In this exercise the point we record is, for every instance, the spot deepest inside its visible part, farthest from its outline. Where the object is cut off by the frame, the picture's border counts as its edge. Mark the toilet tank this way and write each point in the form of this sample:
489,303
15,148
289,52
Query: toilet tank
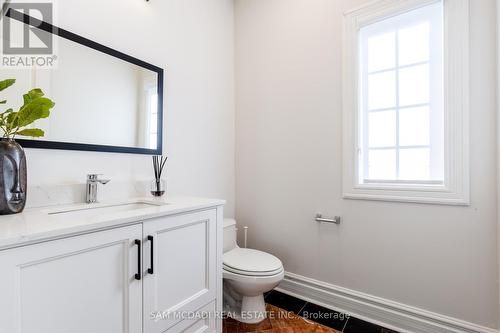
229,237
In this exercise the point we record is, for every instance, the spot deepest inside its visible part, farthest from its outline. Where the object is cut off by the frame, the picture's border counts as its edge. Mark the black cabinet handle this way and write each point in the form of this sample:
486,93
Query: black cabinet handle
138,243
151,270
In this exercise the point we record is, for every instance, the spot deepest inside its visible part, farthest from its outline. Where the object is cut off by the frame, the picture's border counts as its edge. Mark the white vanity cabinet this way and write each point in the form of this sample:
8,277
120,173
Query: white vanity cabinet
78,284
158,275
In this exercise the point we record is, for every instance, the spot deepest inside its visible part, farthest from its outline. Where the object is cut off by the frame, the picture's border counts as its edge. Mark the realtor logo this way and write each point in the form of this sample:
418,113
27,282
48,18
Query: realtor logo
31,31
25,41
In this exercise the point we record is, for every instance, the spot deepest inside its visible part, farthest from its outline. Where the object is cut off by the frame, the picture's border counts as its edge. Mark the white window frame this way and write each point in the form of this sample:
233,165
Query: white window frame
455,190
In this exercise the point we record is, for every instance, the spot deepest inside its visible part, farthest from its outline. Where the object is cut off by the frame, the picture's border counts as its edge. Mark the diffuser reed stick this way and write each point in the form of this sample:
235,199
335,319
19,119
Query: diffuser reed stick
158,188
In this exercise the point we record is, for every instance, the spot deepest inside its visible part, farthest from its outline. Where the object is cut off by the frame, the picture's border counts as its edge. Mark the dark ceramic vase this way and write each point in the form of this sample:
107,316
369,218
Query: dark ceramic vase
12,177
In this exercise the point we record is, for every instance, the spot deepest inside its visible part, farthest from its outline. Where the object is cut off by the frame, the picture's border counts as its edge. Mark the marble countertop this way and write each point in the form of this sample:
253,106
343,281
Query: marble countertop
42,224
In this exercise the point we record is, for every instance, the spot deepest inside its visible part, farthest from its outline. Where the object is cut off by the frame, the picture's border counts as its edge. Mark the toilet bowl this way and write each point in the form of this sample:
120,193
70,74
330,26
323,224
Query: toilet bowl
247,274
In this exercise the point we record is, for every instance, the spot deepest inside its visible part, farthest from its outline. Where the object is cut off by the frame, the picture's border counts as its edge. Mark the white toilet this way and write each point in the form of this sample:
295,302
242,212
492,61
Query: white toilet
248,274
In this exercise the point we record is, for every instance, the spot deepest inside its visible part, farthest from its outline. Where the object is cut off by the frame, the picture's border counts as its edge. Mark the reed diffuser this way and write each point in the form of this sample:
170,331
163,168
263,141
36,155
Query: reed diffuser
158,185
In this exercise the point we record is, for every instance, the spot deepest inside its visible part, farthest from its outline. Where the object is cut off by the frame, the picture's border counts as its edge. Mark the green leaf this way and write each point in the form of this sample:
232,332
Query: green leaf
35,107
11,119
5,113
32,95
3,102
33,132
34,110
6,83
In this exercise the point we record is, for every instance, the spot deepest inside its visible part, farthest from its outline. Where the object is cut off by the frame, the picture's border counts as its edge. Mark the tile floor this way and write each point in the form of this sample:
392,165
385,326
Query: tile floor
288,314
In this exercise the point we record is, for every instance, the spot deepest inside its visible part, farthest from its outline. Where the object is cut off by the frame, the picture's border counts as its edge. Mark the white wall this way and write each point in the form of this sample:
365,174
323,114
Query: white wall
498,148
193,41
288,138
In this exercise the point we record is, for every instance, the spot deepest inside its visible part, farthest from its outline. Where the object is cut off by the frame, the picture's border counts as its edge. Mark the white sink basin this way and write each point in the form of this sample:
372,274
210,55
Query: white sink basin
94,209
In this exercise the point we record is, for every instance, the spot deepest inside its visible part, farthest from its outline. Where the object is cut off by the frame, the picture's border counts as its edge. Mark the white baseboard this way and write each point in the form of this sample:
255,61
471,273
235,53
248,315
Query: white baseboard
383,312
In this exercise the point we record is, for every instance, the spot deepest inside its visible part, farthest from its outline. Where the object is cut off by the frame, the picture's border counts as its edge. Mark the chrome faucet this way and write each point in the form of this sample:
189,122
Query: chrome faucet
92,182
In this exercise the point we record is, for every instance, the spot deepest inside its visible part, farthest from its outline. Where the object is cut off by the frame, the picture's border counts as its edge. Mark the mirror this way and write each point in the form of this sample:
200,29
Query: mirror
105,100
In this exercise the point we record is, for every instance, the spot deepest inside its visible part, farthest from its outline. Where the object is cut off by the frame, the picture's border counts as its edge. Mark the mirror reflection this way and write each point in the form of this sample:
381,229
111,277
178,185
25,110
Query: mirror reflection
100,99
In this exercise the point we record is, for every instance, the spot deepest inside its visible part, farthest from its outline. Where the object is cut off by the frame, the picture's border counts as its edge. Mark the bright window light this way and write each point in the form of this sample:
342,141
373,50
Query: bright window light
153,120
401,98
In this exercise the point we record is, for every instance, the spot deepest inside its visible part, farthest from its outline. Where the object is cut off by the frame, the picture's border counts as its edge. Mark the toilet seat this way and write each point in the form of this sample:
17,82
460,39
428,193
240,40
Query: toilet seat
253,274
251,262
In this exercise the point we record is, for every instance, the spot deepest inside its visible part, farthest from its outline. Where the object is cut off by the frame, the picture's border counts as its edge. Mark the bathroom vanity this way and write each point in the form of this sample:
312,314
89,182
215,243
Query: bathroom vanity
136,266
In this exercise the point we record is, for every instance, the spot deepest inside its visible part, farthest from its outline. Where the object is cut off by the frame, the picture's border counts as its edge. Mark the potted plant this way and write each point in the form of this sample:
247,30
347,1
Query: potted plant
12,158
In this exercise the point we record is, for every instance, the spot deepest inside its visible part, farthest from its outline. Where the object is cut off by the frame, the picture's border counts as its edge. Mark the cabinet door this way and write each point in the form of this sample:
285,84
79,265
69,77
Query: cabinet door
183,278
79,284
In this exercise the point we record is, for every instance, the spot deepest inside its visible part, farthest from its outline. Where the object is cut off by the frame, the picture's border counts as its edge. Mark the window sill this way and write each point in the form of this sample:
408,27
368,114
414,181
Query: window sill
437,194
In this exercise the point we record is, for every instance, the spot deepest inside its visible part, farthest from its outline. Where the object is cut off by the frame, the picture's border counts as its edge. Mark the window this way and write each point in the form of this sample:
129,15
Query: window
401,98
405,102
150,134
153,118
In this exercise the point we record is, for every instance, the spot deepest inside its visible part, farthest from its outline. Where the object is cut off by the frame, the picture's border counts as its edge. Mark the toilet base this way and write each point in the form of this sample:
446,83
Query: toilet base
245,309
254,309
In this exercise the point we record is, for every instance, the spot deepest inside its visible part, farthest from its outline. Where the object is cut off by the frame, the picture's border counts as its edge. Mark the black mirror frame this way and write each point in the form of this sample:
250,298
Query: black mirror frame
42,25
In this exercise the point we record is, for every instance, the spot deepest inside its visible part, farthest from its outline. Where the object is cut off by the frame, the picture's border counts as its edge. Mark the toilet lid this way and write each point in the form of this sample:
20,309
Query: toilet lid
248,261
